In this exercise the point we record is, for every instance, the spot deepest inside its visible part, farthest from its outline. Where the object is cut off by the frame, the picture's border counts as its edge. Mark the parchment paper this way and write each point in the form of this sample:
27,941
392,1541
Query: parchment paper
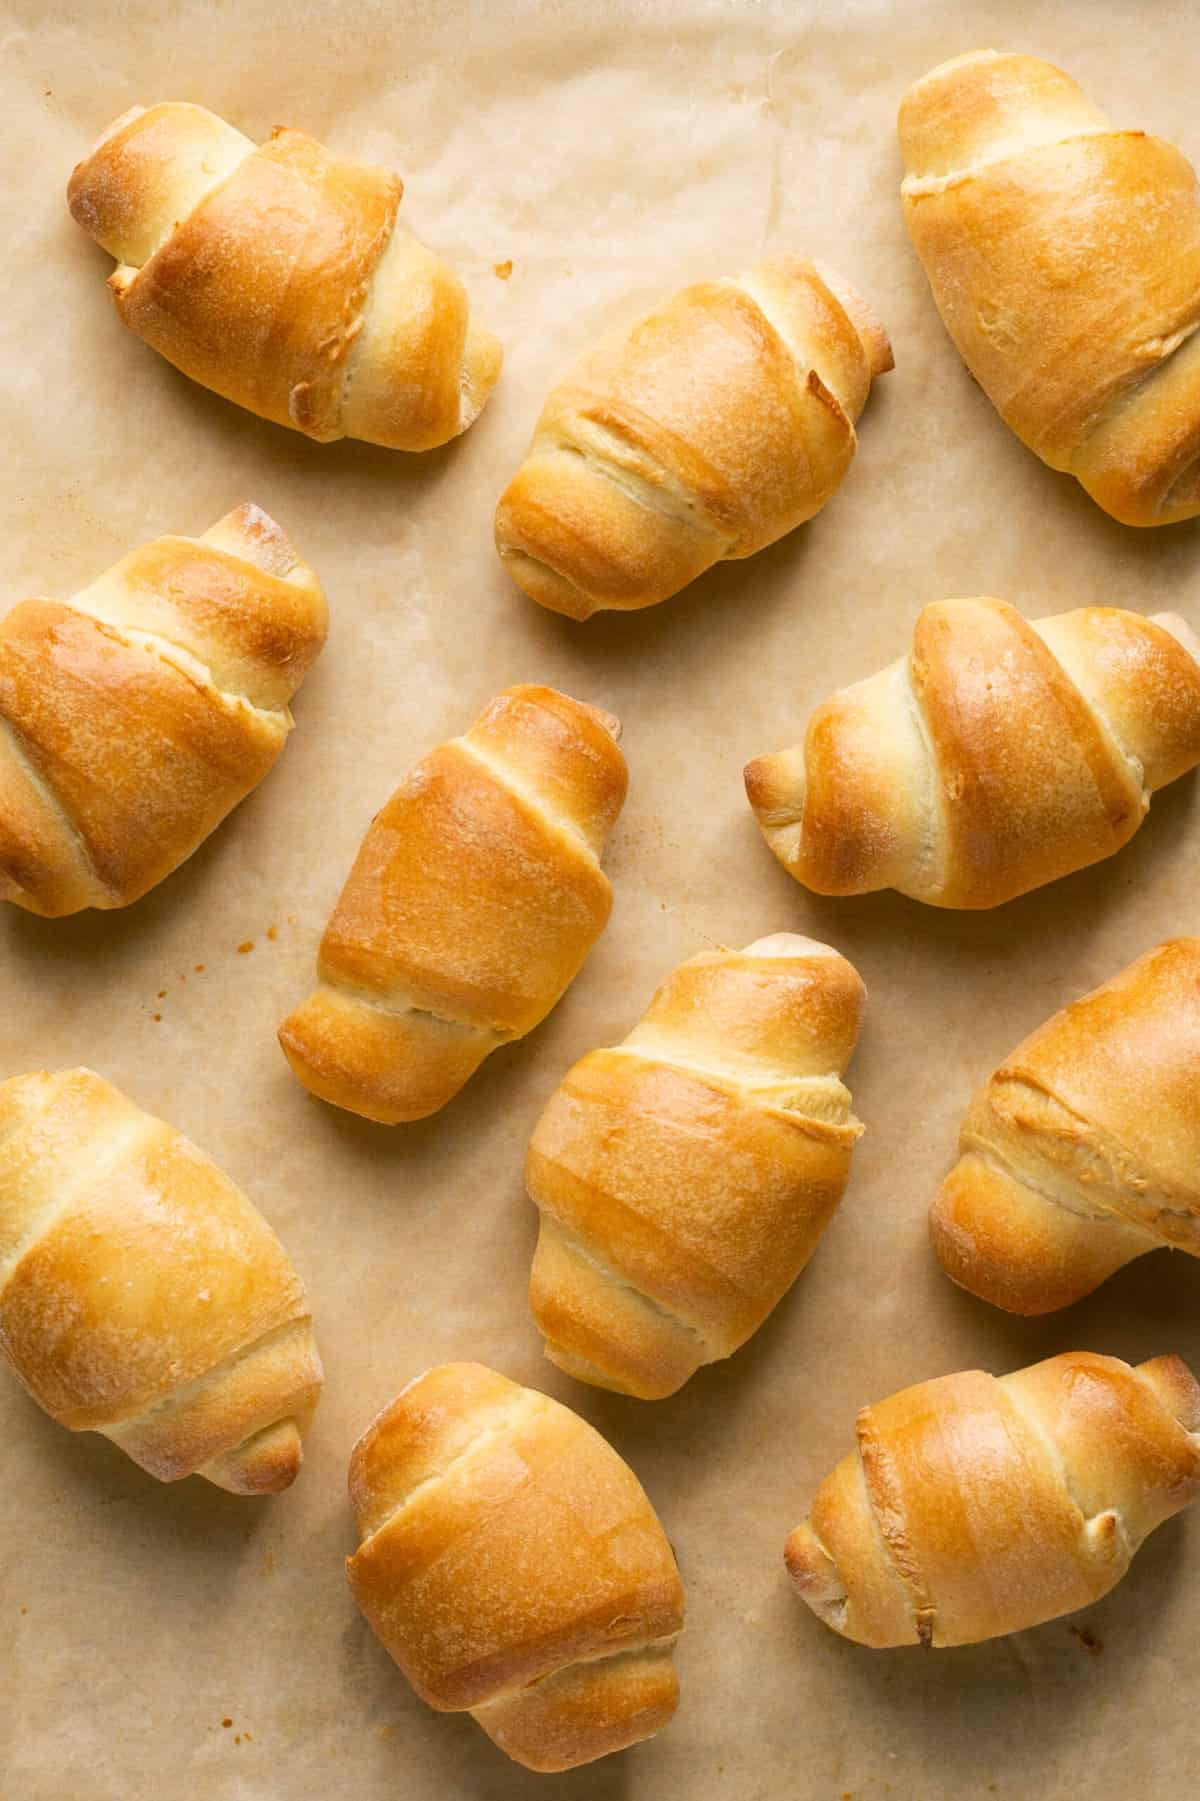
178,1642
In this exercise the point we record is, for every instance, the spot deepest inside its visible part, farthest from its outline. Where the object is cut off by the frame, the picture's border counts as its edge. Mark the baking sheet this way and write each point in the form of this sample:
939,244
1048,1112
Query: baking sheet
179,1642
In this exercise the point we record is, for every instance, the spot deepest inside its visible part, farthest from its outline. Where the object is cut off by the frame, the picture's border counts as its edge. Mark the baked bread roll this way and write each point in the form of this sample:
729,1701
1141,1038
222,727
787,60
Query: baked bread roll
1000,754
1082,1152
135,716
472,904
716,425
685,1176
142,1296
277,276
975,1506
1064,258
513,1567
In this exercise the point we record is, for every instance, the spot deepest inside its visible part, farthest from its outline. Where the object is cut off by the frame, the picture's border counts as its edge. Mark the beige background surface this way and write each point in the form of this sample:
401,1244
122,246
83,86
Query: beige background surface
612,152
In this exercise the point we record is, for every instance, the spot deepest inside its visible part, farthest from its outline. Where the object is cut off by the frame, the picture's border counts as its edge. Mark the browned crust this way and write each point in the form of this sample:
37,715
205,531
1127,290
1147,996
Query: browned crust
685,1178
147,1298
272,334
586,1711
974,1506
389,1067
1000,755
346,326
135,718
512,1564
1081,1152
1064,258
1014,818
720,422
473,902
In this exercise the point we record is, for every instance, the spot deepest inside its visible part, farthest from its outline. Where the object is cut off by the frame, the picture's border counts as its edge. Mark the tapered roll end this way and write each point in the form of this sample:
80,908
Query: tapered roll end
586,1711
420,372
89,200
877,346
985,105
815,1576
250,533
776,787
577,542
386,1067
1180,630
1008,1245
483,358
148,170
265,1464
537,579
1176,1387
598,1330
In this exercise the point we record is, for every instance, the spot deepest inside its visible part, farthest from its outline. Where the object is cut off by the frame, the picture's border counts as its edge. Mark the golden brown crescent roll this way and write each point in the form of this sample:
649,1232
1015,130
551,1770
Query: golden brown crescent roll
277,276
685,1176
136,715
472,904
999,754
1082,1152
142,1296
975,1506
1064,258
716,425
512,1565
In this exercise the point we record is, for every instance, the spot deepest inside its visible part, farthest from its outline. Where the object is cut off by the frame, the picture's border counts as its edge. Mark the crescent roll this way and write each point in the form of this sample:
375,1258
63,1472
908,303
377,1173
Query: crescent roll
142,1296
975,1506
1082,1152
512,1565
136,715
685,1176
1000,754
473,902
1064,258
719,423
277,276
